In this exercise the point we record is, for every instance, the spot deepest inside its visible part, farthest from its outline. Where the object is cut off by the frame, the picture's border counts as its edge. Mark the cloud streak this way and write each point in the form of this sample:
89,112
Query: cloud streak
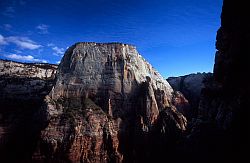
2,40
25,58
56,50
43,28
6,27
22,42
9,11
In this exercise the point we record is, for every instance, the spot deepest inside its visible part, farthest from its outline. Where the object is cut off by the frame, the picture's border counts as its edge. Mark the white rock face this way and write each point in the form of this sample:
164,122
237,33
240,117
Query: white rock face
112,75
25,80
191,87
106,89
116,67
192,83
34,70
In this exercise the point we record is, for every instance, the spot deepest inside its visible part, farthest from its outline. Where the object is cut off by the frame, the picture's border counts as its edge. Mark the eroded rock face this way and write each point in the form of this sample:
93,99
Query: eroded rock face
190,86
25,81
126,96
22,90
78,132
31,70
182,104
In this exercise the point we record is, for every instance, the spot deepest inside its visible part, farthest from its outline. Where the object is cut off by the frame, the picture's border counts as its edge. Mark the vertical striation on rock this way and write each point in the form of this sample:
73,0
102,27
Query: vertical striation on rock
190,86
105,100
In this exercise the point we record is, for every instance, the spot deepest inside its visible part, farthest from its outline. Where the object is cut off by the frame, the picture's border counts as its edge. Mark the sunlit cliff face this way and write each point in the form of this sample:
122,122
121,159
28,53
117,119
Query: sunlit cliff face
109,94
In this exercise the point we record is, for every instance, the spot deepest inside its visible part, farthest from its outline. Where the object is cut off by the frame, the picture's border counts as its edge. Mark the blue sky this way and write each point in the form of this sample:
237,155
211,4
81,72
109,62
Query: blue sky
176,36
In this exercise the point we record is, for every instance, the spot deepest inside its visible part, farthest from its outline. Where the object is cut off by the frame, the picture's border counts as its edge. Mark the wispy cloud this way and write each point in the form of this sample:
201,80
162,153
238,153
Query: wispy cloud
56,50
50,44
22,2
9,11
22,42
25,58
43,28
2,40
17,51
58,62
6,27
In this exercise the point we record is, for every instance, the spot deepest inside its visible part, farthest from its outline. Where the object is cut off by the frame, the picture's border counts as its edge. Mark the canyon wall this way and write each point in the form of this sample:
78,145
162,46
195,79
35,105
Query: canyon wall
190,86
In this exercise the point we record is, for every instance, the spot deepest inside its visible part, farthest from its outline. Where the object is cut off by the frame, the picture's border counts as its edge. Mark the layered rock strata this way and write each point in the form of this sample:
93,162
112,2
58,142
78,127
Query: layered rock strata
190,86
25,81
106,105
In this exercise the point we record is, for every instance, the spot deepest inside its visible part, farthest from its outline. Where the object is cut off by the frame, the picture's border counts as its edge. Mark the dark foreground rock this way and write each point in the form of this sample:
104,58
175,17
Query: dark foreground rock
22,90
222,128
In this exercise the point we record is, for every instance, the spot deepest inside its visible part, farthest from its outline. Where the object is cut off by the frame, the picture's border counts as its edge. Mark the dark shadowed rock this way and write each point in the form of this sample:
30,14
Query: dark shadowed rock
182,104
224,105
22,90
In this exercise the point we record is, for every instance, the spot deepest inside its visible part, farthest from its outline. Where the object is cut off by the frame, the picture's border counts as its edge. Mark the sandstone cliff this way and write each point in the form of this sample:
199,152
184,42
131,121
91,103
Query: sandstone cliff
25,81
108,105
190,86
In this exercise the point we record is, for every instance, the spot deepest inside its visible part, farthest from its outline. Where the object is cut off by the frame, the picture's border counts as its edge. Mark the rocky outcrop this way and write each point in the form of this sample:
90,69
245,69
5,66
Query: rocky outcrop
182,105
106,105
31,70
19,81
190,86
22,90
